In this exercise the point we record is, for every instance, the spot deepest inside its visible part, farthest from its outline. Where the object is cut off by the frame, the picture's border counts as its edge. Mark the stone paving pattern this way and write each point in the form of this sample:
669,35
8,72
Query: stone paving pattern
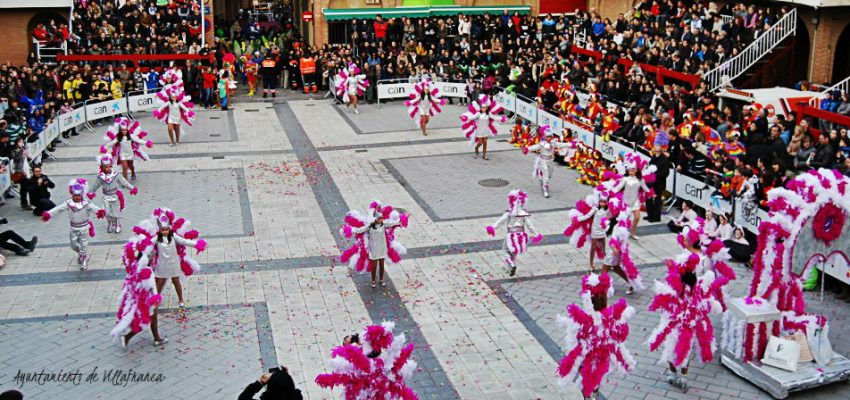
209,347
217,213
276,177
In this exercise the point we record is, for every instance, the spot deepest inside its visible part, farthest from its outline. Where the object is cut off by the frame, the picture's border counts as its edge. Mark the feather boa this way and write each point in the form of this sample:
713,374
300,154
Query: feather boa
138,298
377,369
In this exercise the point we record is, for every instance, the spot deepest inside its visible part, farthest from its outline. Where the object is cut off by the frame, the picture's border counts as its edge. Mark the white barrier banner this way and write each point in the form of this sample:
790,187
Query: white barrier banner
700,194
748,219
611,150
47,135
545,118
526,110
507,101
403,90
142,102
106,109
72,119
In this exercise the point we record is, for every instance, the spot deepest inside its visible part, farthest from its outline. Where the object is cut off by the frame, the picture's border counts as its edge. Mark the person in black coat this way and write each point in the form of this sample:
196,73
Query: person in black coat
662,170
279,386
39,186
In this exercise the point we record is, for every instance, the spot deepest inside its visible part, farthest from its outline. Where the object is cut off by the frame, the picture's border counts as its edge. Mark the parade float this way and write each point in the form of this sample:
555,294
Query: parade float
768,337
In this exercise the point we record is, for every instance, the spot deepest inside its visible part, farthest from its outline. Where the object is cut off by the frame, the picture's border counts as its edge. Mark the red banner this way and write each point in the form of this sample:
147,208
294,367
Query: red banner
132,57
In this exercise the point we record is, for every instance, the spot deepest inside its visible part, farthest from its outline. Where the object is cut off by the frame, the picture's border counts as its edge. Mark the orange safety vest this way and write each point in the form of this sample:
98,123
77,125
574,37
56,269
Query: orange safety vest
308,65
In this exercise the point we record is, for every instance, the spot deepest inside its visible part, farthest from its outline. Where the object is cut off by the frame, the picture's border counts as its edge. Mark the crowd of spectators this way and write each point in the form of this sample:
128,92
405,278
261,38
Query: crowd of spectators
136,27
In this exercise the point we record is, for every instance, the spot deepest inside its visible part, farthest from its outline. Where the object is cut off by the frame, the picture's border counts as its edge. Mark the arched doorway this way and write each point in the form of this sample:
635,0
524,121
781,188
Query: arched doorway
800,54
841,61
44,17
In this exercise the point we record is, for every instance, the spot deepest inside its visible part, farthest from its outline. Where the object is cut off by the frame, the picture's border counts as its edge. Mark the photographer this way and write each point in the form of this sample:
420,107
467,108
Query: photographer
279,386
39,194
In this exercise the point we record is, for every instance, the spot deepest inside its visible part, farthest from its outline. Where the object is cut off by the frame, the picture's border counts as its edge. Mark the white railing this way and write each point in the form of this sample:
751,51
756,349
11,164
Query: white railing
840,87
727,19
579,38
762,46
41,47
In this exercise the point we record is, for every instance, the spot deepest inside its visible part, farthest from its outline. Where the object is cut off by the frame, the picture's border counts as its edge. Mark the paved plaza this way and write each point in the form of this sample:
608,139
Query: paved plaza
268,183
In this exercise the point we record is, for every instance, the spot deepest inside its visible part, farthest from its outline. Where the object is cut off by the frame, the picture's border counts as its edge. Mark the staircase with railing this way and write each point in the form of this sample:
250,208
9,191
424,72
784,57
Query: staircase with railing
46,53
840,87
764,45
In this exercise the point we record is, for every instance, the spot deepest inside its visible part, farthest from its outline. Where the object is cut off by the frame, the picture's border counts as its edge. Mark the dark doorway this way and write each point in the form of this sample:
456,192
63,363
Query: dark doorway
841,62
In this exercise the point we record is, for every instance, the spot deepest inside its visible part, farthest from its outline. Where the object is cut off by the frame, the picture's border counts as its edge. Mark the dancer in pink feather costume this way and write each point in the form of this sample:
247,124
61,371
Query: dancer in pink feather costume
175,107
125,141
79,211
596,337
425,102
634,185
480,111
139,298
374,239
686,302
113,198
350,83
164,229
376,369
518,222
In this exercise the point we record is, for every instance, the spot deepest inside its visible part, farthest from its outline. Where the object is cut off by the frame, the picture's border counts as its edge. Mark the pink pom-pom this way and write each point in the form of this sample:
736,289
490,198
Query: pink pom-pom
145,273
134,191
155,300
201,245
90,195
103,149
403,219
491,231
45,216
148,144
101,213
346,231
537,239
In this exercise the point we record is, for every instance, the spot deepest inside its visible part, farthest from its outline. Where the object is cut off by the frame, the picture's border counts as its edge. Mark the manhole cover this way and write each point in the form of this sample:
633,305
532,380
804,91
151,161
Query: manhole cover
493,182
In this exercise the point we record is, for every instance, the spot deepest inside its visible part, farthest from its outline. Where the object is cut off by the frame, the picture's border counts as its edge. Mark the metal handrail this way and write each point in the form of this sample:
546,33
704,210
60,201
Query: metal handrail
727,19
763,45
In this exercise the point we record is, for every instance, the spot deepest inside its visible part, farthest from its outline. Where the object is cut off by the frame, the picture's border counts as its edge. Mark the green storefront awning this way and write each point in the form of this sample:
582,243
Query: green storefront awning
342,14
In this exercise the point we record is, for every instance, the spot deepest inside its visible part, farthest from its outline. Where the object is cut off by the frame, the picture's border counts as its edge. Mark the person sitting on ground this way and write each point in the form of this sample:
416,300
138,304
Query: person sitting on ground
10,240
688,215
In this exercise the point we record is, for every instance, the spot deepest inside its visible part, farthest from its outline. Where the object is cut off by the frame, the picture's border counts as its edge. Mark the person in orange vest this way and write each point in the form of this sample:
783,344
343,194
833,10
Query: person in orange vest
308,72
269,69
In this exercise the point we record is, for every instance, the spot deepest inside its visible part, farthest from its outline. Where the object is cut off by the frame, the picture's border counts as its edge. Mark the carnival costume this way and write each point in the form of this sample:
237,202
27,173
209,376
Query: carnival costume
113,197
168,262
181,108
130,146
373,243
474,116
635,190
350,82
545,150
79,215
426,99
595,340
685,321
585,217
377,369
518,223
